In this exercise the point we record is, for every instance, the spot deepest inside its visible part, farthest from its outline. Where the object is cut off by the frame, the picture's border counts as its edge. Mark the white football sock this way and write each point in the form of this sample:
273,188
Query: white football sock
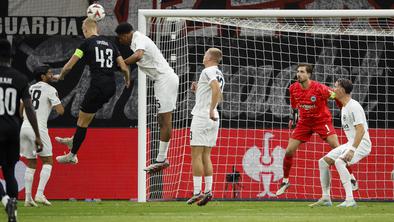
163,149
345,178
29,177
325,178
197,183
4,200
208,183
44,177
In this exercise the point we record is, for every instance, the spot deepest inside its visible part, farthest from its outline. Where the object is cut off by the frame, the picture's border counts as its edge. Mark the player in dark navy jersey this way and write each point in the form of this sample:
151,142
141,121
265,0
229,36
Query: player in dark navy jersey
13,88
103,58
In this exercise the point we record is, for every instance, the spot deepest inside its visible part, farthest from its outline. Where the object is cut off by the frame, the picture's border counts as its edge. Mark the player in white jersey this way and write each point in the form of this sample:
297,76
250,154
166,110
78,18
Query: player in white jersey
354,123
44,98
205,124
151,61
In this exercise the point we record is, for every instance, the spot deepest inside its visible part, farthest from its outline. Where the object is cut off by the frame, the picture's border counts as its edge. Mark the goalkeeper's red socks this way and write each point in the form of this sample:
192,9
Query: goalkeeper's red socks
287,163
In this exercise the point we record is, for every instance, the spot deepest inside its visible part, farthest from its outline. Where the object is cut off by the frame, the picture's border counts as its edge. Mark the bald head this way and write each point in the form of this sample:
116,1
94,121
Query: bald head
89,27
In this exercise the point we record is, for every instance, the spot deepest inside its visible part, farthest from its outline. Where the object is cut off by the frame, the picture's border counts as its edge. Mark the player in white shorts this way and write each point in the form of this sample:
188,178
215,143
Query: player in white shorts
44,98
151,61
205,124
355,125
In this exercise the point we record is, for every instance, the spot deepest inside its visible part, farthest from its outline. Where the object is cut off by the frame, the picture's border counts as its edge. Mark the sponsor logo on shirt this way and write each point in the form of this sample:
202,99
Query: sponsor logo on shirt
313,98
307,107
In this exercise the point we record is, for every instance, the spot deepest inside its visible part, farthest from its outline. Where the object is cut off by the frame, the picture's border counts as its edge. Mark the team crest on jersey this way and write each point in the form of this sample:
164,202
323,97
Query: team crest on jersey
313,98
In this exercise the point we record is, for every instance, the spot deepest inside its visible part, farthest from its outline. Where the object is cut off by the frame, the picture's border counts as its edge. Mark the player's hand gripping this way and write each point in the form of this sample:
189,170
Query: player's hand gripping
293,118
39,145
193,87
349,155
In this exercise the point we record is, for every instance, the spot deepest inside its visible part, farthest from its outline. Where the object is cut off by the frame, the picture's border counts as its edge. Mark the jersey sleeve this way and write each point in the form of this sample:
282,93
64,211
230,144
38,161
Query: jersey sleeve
81,50
211,75
326,91
54,98
140,43
357,114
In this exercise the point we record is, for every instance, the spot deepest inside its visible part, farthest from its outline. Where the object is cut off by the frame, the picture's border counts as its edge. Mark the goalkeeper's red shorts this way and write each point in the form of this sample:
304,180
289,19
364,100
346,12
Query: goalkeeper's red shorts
303,132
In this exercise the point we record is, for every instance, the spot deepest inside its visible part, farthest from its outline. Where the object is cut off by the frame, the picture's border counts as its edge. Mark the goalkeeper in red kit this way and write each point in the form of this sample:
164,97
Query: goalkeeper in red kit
310,114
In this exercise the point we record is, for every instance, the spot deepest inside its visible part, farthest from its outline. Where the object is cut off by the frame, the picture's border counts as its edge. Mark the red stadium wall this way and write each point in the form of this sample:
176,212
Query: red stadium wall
237,149
108,167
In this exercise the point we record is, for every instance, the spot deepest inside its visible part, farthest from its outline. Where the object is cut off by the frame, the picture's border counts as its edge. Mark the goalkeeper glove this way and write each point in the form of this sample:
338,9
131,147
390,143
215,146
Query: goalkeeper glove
293,118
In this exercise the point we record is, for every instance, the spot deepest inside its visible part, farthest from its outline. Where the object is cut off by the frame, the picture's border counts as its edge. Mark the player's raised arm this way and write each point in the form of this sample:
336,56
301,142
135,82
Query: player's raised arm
70,64
124,69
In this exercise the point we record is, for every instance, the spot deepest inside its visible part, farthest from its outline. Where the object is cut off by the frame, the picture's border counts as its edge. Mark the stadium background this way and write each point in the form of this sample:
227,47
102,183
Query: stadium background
110,152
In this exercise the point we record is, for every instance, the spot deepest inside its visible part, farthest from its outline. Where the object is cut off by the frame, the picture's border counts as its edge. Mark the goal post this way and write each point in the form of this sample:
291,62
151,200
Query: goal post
261,49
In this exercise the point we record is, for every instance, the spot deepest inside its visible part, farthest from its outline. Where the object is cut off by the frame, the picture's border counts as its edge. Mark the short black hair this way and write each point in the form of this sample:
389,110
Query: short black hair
5,50
40,70
123,28
346,84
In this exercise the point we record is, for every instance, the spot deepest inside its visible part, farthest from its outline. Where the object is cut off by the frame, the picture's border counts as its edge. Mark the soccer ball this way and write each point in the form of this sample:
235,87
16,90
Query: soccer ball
95,12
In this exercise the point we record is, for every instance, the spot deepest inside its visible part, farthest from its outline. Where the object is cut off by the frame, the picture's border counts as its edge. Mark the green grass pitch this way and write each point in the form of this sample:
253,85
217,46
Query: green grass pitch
119,211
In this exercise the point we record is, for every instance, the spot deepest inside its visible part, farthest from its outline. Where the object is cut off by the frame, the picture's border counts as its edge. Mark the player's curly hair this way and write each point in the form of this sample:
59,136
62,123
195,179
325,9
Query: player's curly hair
39,71
123,28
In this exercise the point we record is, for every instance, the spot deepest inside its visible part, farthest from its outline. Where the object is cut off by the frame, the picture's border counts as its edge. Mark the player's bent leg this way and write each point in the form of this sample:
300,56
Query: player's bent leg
287,163
165,124
332,140
83,122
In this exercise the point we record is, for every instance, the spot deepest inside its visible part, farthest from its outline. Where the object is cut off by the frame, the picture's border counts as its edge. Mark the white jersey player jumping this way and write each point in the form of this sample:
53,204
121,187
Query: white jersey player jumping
151,61
354,123
205,124
44,98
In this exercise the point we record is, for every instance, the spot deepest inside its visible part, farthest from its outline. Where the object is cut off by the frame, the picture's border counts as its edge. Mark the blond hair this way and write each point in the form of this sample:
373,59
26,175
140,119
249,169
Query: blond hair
216,54
90,24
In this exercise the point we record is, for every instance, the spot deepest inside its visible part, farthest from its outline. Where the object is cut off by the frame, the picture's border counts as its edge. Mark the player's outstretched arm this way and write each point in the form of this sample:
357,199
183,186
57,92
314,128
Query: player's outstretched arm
124,69
68,66
31,116
137,56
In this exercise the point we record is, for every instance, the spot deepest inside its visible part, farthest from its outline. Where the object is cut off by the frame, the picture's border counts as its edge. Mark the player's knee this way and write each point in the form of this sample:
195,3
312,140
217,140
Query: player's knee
32,163
340,163
323,164
290,152
47,160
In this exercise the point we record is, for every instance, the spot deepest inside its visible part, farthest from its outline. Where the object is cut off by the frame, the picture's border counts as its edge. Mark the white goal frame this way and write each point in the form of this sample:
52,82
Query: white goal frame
144,15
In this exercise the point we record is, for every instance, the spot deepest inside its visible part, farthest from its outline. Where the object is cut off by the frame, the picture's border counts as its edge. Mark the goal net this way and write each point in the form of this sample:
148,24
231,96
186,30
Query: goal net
260,55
